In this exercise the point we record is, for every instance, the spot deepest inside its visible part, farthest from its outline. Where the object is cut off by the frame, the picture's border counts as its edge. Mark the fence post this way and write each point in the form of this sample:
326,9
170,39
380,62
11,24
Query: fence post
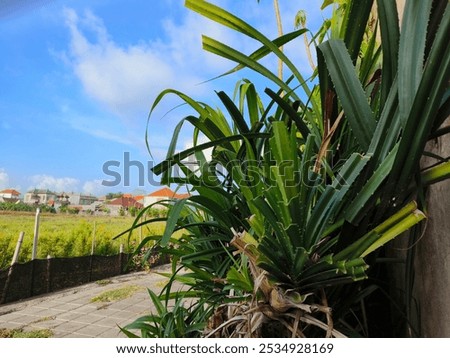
15,258
49,274
91,260
36,234
120,259
93,239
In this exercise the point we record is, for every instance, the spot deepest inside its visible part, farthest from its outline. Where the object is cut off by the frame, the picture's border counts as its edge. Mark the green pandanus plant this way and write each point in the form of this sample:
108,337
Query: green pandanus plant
287,217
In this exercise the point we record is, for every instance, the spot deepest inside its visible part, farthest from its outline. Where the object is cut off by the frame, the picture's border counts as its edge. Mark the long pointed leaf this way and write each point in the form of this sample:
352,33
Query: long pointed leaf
230,53
173,216
390,33
411,53
349,91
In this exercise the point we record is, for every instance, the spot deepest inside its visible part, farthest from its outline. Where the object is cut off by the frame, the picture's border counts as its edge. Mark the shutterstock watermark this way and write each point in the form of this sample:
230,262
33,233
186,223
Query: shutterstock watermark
120,173
250,173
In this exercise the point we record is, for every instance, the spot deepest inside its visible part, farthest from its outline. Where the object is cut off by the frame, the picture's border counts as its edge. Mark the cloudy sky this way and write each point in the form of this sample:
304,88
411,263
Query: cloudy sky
78,78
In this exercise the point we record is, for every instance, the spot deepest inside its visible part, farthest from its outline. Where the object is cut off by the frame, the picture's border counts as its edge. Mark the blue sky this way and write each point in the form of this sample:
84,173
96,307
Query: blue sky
78,78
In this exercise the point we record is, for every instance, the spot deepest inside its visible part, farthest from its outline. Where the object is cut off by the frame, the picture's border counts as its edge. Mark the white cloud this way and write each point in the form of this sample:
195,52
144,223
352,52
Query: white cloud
43,181
94,187
127,79
184,46
4,179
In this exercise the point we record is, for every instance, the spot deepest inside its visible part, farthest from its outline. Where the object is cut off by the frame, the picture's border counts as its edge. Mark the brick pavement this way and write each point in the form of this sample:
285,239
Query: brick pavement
71,313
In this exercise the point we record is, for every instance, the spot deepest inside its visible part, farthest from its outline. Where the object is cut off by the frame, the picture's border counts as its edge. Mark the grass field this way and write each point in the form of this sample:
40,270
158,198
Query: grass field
67,235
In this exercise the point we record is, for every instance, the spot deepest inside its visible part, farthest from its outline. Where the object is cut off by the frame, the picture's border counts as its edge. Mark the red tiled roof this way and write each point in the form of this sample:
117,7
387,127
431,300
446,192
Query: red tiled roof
139,197
164,192
10,191
168,193
126,202
182,196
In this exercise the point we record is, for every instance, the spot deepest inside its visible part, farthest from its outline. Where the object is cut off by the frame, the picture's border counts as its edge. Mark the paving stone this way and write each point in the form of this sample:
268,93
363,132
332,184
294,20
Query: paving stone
107,311
72,306
122,315
107,322
121,305
10,325
49,304
135,310
70,326
87,308
23,319
61,334
48,312
48,324
88,318
66,299
35,311
71,314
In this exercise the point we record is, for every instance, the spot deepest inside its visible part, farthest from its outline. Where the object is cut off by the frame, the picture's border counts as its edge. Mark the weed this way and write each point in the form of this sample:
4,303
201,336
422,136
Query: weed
20,333
103,282
116,294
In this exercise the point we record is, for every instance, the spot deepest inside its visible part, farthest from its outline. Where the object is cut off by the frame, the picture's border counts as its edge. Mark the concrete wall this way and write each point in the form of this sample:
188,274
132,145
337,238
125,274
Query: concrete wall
432,260
432,284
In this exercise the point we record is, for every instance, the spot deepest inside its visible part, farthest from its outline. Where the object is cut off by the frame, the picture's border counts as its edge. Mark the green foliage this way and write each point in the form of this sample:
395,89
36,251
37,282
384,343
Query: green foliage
133,211
170,321
67,235
111,196
26,207
65,209
156,212
289,215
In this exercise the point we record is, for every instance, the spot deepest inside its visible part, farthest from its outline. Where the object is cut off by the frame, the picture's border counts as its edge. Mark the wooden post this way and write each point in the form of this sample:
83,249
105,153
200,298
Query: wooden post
91,259
36,234
120,259
49,273
15,258
93,239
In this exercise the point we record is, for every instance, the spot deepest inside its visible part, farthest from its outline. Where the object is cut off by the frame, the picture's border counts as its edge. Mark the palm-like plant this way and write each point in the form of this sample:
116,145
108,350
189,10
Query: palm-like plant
299,197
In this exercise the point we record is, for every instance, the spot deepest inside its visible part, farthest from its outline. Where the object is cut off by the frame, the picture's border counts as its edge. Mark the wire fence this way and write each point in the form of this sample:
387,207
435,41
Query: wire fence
39,276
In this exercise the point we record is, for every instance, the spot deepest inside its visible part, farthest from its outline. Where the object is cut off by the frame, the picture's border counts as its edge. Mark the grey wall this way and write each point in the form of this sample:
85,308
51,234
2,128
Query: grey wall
432,284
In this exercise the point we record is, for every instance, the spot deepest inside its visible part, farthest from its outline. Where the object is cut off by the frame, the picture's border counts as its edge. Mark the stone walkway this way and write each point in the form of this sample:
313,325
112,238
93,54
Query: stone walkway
72,313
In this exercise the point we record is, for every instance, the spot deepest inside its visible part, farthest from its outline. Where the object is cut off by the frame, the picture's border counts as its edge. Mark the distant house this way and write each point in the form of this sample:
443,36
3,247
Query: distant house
102,198
9,195
81,199
40,196
124,203
162,194
140,199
